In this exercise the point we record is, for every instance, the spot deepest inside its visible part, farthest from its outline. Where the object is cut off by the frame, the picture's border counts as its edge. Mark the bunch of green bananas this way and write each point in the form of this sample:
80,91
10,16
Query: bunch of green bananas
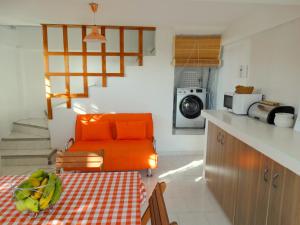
38,192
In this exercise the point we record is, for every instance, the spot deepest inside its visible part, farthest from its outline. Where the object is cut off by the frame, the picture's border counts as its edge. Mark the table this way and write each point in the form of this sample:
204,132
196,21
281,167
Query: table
88,198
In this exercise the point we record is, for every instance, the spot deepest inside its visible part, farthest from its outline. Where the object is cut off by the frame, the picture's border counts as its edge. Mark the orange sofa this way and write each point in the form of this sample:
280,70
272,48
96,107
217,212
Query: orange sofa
126,138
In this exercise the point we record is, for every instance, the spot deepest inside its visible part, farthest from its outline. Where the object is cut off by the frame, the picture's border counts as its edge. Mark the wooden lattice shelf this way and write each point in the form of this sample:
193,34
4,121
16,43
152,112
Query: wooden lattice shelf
66,53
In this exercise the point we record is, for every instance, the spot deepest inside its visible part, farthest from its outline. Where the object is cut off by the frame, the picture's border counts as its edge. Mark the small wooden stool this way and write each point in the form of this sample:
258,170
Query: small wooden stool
79,161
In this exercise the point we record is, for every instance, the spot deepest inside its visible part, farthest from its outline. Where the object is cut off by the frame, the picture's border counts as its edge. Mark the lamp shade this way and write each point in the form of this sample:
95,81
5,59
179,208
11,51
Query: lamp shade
95,36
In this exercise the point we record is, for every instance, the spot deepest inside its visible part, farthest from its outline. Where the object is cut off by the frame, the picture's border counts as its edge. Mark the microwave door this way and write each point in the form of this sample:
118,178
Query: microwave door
228,100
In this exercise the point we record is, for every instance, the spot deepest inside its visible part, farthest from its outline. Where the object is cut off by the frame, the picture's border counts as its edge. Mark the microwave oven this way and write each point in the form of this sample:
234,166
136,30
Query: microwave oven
239,103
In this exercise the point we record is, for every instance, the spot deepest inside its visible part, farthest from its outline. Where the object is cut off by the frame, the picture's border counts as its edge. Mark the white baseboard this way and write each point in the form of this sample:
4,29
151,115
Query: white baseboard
174,153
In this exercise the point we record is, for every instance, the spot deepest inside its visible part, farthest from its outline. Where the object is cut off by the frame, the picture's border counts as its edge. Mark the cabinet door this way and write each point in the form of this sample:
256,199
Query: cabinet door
278,196
229,173
291,200
210,166
214,162
263,191
247,185
219,165
275,202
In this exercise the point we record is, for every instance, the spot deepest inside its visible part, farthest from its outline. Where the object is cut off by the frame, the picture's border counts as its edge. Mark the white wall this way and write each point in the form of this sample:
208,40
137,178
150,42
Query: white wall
22,78
234,55
31,70
144,89
276,69
273,59
10,95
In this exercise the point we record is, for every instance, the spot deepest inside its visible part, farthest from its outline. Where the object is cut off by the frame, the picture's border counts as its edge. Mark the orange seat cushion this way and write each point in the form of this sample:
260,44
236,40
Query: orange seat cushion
122,154
96,130
128,130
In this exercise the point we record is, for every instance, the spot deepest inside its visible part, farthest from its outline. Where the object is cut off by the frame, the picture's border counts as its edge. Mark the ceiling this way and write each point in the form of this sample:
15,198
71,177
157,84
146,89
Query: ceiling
213,16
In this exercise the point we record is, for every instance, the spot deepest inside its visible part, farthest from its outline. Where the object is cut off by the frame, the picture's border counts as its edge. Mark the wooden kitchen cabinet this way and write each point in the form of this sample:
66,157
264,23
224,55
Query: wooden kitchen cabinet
247,185
263,191
278,199
284,198
276,193
229,173
212,159
221,167
209,173
251,188
290,201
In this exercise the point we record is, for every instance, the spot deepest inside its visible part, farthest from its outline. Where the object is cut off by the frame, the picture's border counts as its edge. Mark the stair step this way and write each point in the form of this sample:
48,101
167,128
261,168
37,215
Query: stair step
30,129
24,161
21,141
26,157
40,123
18,136
15,139
25,144
26,152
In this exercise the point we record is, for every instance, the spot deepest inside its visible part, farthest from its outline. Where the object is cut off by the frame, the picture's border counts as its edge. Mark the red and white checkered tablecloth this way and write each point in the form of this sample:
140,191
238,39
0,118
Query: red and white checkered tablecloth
88,198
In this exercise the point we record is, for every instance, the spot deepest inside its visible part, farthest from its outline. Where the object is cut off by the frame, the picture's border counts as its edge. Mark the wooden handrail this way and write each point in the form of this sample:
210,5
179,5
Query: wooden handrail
102,53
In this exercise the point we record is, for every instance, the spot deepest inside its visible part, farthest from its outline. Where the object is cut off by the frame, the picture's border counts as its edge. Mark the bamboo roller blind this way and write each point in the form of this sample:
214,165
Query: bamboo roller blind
66,53
197,51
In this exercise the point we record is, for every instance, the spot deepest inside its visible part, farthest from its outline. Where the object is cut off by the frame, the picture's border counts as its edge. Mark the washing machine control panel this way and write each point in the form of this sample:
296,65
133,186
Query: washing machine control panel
187,90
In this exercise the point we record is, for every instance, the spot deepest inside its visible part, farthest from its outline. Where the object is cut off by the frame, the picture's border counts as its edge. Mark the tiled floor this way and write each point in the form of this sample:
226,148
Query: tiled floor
188,131
188,200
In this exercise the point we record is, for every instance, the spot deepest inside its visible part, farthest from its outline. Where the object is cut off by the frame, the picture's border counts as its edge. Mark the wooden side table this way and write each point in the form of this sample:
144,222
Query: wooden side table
79,161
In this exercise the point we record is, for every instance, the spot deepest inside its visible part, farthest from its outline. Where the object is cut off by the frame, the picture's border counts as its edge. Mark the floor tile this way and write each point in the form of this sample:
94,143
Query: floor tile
192,218
217,218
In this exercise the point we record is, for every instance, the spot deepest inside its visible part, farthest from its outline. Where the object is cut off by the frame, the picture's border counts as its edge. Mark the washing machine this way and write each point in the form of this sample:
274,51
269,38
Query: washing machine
189,104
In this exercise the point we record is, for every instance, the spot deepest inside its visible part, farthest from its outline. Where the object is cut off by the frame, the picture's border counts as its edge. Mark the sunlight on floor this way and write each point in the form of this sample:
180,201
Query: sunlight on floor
189,166
198,179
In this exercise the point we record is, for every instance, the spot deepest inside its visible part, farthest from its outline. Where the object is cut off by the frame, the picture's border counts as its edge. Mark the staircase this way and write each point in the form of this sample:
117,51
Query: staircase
28,144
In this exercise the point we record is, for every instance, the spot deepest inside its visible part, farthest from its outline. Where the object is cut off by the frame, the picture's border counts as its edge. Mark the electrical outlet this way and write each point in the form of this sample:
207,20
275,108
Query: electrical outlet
243,71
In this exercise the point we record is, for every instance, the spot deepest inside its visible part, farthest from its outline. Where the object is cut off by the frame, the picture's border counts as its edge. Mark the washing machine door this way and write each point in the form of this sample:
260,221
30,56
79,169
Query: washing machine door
191,106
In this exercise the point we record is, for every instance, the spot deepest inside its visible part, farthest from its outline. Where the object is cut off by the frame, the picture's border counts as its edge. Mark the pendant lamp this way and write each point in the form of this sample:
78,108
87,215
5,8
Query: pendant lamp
95,34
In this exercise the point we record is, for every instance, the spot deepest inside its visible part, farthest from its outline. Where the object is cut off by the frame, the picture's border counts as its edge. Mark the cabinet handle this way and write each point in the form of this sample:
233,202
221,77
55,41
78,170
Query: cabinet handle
275,177
266,175
222,139
218,137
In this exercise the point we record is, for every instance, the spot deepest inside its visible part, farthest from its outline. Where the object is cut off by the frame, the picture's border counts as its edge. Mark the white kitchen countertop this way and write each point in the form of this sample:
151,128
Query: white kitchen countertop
280,144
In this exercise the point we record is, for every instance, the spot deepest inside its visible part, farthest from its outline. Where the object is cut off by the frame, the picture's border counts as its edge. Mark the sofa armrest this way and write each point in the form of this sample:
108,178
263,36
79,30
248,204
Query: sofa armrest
154,144
70,141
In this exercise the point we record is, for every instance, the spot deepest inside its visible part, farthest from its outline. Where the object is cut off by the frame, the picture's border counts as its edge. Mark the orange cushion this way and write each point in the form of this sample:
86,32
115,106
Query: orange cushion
131,130
94,131
112,118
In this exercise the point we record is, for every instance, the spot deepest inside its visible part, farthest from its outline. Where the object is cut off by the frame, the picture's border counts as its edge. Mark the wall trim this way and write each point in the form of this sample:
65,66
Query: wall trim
199,152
